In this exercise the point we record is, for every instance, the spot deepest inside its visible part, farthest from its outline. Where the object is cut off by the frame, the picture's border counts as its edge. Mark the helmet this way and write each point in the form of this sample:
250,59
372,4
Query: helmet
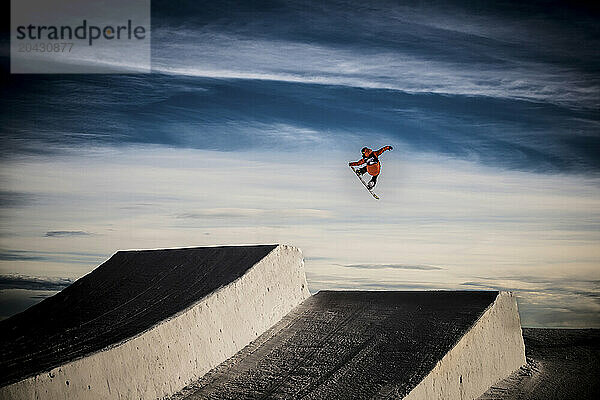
365,151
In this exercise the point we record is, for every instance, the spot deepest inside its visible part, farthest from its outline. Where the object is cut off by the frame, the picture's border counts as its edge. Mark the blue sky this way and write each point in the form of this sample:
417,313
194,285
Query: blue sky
243,132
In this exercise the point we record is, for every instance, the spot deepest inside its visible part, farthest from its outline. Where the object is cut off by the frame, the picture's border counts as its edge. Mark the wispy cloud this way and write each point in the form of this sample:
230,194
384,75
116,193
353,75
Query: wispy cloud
15,199
313,119
53,257
319,281
21,256
393,71
41,296
256,213
524,52
524,284
66,233
395,266
33,283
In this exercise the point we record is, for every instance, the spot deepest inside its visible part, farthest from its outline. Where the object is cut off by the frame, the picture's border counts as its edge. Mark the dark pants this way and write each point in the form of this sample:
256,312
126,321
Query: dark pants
363,171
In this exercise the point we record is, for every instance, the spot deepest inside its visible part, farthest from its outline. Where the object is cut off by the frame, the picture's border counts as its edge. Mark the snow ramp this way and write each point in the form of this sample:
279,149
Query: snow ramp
147,322
376,345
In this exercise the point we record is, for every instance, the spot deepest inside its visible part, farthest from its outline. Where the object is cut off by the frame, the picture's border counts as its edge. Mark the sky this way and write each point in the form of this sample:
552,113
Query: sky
243,132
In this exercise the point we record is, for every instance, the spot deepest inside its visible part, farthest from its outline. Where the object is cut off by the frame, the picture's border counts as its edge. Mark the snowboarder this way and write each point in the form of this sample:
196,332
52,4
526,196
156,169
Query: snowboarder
373,167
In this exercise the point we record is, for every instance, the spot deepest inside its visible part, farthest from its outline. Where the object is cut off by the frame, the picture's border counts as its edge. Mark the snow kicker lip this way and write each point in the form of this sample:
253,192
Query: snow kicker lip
145,323
358,344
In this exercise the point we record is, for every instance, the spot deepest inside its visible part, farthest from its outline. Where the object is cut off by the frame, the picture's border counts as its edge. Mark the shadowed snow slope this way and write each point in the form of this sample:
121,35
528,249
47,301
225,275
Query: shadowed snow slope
362,345
145,323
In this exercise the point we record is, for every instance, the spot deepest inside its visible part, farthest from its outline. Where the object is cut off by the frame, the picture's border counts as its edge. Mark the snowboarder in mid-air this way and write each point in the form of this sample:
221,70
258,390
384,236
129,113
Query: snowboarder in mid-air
373,167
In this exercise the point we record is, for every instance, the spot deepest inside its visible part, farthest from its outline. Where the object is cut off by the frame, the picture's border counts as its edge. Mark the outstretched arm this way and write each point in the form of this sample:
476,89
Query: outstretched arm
357,163
381,150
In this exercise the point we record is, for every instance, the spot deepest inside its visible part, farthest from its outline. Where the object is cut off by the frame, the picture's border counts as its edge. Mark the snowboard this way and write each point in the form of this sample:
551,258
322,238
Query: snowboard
364,183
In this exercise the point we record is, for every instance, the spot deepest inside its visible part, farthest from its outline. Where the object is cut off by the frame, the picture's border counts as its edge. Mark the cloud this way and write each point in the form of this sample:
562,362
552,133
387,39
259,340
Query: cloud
511,133
20,256
40,296
503,88
66,233
395,266
256,213
531,284
319,281
54,257
449,49
15,199
33,283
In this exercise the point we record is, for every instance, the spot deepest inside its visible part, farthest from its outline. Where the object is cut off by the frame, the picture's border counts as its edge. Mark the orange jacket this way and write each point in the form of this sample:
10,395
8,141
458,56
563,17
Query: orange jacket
372,161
